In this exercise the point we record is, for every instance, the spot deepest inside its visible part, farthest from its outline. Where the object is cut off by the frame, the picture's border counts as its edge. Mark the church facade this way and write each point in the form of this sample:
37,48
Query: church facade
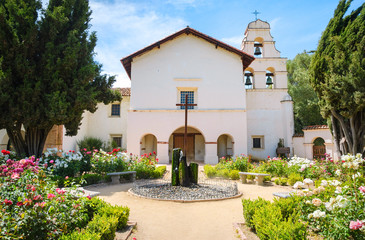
241,97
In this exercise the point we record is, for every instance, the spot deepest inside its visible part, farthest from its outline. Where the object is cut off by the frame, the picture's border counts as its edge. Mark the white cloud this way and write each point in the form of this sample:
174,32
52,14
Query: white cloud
273,23
233,41
122,28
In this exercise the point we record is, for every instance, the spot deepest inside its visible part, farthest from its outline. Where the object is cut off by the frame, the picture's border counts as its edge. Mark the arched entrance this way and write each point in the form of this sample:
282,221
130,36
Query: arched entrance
195,144
148,144
225,146
319,149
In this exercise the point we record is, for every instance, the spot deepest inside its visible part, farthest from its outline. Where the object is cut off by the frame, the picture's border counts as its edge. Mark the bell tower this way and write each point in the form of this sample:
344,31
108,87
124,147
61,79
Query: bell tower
269,106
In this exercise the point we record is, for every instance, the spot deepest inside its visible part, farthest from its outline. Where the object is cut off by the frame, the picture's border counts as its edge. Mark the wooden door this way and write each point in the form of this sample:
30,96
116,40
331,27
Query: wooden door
319,152
179,143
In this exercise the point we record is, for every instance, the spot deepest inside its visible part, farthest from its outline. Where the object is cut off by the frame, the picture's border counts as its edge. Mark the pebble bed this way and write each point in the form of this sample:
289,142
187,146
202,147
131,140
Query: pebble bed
201,191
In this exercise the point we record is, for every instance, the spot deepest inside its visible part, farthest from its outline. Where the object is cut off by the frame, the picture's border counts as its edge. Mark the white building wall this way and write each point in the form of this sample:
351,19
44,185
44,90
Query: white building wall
187,63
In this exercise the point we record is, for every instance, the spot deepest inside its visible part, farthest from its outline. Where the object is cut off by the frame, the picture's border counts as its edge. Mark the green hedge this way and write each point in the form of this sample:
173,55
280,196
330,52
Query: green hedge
278,220
103,225
81,235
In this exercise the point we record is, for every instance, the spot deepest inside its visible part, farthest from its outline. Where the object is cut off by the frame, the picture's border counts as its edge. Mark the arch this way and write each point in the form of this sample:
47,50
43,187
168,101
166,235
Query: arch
249,78
319,148
270,73
225,146
258,45
148,144
195,143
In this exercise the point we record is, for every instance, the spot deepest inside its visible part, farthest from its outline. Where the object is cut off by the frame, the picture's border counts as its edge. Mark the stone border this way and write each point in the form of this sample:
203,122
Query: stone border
184,201
239,231
133,225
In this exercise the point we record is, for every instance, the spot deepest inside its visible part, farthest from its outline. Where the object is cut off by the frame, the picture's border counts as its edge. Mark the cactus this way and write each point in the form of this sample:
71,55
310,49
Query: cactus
193,169
176,155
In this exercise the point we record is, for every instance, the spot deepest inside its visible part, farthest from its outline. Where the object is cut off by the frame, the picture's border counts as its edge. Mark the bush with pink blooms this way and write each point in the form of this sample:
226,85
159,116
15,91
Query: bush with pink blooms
32,207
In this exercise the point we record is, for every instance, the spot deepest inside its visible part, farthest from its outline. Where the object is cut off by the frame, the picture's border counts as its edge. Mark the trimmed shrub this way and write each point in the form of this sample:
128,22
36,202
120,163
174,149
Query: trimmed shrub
283,181
104,225
81,235
91,178
293,178
209,171
269,224
224,173
120,212
249,207
159,172
234,174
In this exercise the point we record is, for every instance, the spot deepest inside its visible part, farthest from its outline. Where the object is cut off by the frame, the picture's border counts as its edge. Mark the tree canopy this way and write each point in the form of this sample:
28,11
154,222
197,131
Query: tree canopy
306,107
338,76
50,76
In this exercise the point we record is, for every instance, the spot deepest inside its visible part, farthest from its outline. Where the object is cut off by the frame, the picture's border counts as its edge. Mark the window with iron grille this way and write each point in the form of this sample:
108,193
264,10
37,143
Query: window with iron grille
115,109
117,141
190,98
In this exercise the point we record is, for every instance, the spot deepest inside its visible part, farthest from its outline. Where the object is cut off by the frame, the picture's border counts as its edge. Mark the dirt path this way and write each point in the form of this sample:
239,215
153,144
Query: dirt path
162,220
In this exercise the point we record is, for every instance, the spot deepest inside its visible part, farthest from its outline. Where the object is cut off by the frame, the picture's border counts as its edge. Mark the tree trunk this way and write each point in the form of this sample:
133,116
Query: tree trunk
33,142
336,135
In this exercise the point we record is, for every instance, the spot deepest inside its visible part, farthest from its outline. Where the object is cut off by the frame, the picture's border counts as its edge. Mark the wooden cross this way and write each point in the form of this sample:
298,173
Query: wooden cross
186,104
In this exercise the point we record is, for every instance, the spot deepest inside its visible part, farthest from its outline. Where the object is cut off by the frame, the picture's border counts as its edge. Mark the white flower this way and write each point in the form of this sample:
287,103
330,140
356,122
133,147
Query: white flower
316,202
310,215
338,190
308,202
338,172
307,181
309,194
334,183
298,185
318,214
356,175
324,183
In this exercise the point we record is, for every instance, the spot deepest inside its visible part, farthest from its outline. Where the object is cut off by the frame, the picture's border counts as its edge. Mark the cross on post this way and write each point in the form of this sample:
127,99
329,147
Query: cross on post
256,13
186,104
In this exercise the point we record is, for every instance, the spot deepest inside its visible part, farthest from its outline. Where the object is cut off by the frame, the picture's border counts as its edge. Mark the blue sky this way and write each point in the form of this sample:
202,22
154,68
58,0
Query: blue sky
124,27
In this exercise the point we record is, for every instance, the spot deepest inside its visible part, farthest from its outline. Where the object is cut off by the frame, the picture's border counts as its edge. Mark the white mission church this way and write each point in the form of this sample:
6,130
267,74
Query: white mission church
242,102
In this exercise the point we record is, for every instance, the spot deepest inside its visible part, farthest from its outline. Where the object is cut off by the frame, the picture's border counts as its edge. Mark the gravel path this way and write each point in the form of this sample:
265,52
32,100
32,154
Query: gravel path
164,220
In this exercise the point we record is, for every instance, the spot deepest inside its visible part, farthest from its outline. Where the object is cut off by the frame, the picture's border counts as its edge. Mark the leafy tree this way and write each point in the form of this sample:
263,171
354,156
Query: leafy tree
306,107
50,76
338,76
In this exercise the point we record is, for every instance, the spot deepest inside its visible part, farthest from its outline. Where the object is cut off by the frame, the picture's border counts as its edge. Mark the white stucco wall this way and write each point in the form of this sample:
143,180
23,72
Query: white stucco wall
101,125
187,63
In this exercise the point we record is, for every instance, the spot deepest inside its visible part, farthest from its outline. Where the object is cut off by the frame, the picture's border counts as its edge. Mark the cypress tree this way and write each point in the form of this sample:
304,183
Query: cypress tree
49,74
338,77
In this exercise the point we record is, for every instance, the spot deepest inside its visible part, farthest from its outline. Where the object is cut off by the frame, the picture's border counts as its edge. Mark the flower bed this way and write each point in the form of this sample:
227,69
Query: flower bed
331,207
32,207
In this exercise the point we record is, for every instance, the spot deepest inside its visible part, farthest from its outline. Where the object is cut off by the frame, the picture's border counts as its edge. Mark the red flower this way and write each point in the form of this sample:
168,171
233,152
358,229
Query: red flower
8,202
150,154
19,204
154,152
66,177
88,197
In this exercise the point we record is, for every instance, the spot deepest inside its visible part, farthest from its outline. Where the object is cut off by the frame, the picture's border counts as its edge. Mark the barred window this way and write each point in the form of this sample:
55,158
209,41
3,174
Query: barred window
115,109
190,98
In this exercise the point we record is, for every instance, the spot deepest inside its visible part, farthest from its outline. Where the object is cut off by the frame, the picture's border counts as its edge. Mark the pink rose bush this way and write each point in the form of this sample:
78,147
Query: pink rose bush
30,203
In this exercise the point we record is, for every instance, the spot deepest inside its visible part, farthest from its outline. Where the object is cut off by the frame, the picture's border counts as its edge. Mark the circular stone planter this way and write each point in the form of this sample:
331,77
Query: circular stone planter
204,191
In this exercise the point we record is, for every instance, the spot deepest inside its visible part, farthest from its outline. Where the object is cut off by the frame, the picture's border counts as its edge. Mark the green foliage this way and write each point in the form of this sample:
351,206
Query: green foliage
293,178
47,53
104,225
275,166
269,224
337,76
223,173
281,181
234,174
120,212
103,162
81,235
90,143
249,208
209,171
159,172
288,206
305,107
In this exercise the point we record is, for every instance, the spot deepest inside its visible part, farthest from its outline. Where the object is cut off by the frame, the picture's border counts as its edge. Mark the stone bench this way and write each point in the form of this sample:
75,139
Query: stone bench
116,176
259,177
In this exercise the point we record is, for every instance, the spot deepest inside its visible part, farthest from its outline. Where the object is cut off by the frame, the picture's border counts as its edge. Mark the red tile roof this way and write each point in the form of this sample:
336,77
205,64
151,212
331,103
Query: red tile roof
246,58
314,127
124,91
298,135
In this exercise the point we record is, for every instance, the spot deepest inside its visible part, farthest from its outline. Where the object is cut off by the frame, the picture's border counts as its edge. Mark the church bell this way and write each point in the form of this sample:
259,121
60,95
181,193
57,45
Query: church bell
257,51
248,80
269,80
